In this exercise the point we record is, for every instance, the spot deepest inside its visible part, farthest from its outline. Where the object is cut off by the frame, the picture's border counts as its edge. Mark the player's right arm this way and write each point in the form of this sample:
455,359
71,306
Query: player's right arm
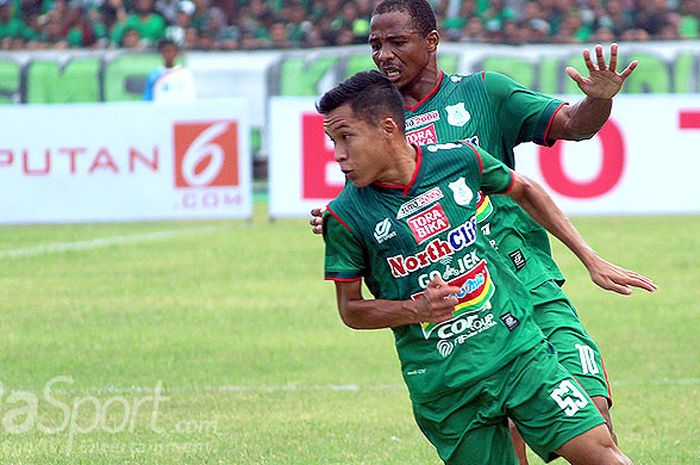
436,304
345,264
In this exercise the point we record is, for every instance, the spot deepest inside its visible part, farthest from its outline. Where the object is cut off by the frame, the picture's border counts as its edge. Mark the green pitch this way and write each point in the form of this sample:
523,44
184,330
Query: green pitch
197,343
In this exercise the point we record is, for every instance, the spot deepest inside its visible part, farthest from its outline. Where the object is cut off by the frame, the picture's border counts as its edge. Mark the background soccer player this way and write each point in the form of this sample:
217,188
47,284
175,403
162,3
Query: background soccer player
497,114
470,352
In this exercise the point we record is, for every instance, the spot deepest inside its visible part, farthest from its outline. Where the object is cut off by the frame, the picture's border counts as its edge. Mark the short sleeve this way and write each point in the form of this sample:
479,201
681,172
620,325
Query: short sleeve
523,114
344,258
496,177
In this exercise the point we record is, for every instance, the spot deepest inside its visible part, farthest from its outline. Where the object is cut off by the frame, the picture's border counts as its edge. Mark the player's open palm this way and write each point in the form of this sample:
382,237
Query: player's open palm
603,81
617,279
437,304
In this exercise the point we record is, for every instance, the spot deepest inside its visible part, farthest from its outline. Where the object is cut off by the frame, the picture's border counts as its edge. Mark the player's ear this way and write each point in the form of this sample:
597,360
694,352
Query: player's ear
389,126
432,40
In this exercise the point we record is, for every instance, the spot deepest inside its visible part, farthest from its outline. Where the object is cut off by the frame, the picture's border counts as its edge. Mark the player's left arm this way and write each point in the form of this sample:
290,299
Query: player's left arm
497,178
540,206
585,118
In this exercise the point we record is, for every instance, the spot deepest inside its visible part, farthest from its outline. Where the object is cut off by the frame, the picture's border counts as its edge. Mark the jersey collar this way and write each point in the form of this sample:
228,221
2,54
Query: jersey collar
405,190
430,94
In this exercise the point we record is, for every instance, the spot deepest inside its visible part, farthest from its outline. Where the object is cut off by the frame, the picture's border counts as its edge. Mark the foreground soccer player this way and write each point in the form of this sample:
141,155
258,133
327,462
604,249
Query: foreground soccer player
494,112
470,351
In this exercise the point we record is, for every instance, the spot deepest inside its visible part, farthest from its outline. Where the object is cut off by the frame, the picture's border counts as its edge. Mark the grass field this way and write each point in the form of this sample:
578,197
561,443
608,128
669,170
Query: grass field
194,343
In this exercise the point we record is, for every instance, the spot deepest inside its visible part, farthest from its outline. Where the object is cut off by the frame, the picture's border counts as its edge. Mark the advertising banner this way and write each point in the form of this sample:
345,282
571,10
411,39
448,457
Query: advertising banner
644,161
124,162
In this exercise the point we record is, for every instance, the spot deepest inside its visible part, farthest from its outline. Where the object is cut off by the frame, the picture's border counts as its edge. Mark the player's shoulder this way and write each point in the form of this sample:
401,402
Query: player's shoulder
464,81
344,207
452,154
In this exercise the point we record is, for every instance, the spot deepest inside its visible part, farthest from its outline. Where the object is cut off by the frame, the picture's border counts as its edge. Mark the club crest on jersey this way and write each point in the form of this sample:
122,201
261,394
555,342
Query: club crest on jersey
461,192
382,231
457,115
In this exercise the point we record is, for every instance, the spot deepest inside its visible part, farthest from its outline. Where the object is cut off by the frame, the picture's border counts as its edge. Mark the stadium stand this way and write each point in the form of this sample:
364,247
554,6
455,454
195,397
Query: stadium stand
285,24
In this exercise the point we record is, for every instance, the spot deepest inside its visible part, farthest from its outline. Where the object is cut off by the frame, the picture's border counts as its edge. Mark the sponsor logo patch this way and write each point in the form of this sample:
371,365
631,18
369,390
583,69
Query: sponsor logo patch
382,231
423,136
206,154
458,331
510,321
428,223
518,259
413,205
476,288
420,120
457,239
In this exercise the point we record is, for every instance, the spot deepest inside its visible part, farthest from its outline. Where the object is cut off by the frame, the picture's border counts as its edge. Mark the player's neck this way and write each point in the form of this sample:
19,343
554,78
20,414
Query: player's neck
402,165
422,86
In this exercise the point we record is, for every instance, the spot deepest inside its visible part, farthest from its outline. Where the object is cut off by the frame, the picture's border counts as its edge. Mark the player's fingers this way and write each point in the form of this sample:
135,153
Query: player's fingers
315,220
587,60
627,71
641,284
436,282
575,75
317,229
600,58
443,293
441,317
613,57
618,288
317,212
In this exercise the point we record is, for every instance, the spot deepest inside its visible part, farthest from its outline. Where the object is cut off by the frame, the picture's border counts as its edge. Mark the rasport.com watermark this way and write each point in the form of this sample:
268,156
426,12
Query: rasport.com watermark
54,412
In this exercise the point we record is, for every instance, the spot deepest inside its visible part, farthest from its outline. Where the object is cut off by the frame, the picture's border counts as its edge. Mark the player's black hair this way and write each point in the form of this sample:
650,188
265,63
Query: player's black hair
162,43
422,15
371,97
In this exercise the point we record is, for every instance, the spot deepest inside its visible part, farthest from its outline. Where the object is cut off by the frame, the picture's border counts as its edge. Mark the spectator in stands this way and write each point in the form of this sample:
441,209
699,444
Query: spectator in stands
13,31
497,14
131,39
473,31
149,25
82,31
652,16
256,24
689,27
176,31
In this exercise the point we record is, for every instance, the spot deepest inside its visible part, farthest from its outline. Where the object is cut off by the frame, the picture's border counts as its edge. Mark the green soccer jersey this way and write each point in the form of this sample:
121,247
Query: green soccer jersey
495,113
398,237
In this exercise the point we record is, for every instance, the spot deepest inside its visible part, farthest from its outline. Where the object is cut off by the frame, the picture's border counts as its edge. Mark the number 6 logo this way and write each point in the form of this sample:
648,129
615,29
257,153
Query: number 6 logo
206,154
563,397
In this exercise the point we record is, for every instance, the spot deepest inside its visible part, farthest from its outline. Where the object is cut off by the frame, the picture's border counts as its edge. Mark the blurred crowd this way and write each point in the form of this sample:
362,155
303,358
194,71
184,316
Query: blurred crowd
285,24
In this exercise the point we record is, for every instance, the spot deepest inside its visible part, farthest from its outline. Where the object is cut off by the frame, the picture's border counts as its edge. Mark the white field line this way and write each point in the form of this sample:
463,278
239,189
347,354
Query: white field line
105,242
276,388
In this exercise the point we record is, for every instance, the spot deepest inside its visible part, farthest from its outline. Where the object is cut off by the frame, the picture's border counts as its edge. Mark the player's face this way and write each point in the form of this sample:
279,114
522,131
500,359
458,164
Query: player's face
169,53
356,146
399,50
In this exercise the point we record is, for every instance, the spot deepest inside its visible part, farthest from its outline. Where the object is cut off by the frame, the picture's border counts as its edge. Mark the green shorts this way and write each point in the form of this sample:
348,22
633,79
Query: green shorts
543,400
576,350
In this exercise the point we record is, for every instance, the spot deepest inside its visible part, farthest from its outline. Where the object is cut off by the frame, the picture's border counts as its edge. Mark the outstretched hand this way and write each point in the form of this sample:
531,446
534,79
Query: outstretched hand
617,279
603,81
437,304
316,220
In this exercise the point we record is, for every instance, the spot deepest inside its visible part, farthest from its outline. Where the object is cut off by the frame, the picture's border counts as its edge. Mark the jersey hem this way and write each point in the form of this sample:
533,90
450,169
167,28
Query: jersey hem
342,280
525,346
